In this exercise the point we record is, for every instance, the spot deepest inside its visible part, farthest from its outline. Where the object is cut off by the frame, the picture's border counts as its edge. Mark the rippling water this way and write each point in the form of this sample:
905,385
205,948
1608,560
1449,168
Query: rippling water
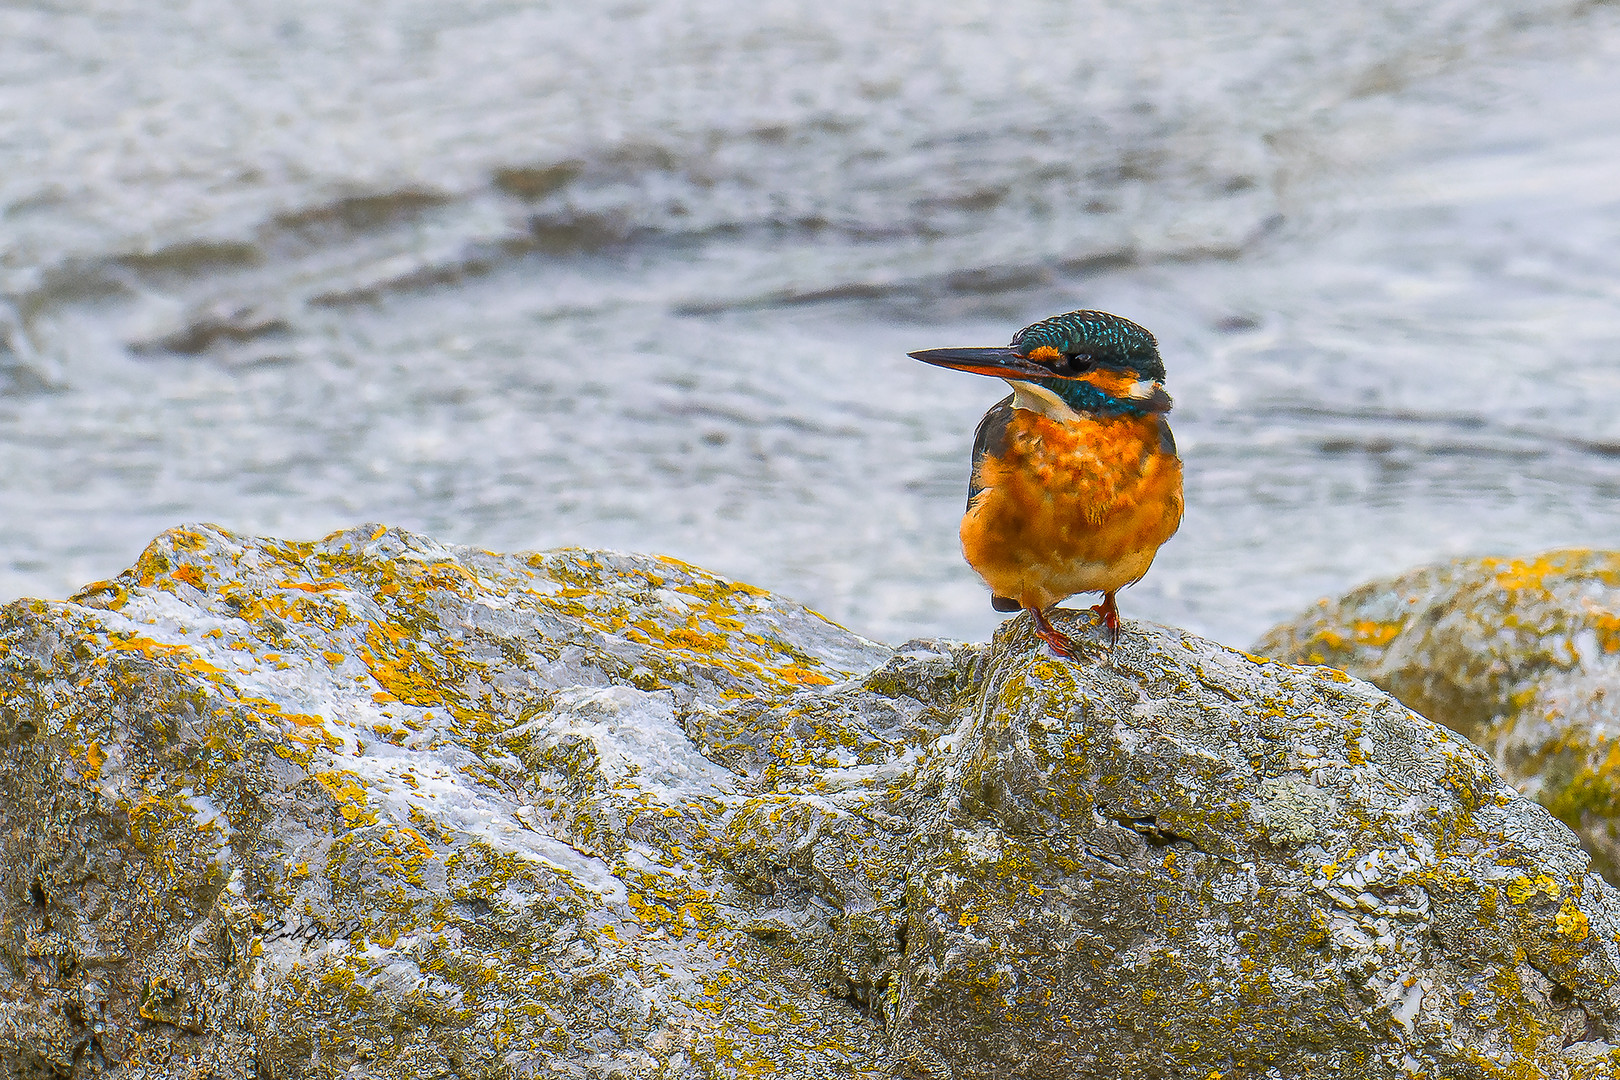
643,275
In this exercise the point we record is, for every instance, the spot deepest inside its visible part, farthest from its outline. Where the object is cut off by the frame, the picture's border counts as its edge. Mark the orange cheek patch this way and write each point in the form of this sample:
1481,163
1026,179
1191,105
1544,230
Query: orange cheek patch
1045,352
1116,383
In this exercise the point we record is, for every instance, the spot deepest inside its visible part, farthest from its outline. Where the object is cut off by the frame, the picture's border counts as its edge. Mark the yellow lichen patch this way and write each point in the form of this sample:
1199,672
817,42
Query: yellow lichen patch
724,617
153,824
190,575
1515,575
405,854
313,586
198,666
1587,765
348,792
1354,753
109,595
1369,632
1523,888
1607,626
153,563
408,673
1571,921
738,587
119,641
698,640
799,676
1334,640
289,552
416,579
306,733
187,539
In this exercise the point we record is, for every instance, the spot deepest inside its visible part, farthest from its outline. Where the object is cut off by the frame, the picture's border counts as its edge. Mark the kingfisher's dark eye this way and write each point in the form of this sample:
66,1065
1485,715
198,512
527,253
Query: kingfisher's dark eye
1076,363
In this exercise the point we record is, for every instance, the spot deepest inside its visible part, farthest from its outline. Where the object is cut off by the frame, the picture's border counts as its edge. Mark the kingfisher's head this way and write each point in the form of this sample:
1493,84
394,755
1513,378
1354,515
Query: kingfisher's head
1092,361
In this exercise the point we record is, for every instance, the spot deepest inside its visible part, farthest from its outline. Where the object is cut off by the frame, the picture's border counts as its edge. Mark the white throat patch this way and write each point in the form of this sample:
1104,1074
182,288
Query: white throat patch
1038,399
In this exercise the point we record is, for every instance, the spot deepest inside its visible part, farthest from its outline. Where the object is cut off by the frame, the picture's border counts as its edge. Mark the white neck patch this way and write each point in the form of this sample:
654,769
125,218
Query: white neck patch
1038,399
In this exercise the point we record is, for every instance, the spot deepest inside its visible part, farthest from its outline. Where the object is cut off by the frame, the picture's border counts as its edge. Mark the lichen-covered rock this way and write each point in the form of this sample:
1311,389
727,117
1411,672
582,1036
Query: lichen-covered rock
375,807
1520,655
1178,862
279,810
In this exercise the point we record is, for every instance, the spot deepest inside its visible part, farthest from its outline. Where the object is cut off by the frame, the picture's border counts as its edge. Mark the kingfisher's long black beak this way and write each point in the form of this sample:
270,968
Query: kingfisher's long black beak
1002,363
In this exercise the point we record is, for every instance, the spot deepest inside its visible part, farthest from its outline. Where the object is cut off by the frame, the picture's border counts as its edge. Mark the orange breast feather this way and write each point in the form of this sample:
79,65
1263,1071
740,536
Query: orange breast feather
1072,507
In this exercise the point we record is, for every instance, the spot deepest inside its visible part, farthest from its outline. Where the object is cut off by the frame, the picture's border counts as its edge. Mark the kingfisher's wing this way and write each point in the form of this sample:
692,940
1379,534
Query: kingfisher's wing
1167,441
990,439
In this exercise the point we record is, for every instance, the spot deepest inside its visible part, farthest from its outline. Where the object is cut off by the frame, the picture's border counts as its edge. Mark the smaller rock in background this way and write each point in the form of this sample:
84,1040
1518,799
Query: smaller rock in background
1520,655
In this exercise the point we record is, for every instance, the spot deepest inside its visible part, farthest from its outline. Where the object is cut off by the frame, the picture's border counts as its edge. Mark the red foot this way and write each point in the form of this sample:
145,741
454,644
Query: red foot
1108,617
1050,634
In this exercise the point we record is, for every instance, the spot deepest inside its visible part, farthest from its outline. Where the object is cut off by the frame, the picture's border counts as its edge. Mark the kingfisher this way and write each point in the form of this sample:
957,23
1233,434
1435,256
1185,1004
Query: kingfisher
1075,481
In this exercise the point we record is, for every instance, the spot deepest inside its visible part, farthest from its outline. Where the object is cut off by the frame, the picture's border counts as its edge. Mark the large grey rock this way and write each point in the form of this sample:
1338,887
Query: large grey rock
376,807
1521,655
1184,863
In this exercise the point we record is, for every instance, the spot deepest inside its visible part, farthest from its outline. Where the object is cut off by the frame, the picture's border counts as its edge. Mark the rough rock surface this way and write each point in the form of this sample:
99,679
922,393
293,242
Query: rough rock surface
1520,655
375,807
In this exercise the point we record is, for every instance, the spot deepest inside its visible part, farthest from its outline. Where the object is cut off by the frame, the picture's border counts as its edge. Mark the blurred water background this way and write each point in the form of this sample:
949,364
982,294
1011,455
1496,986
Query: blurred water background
642,274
